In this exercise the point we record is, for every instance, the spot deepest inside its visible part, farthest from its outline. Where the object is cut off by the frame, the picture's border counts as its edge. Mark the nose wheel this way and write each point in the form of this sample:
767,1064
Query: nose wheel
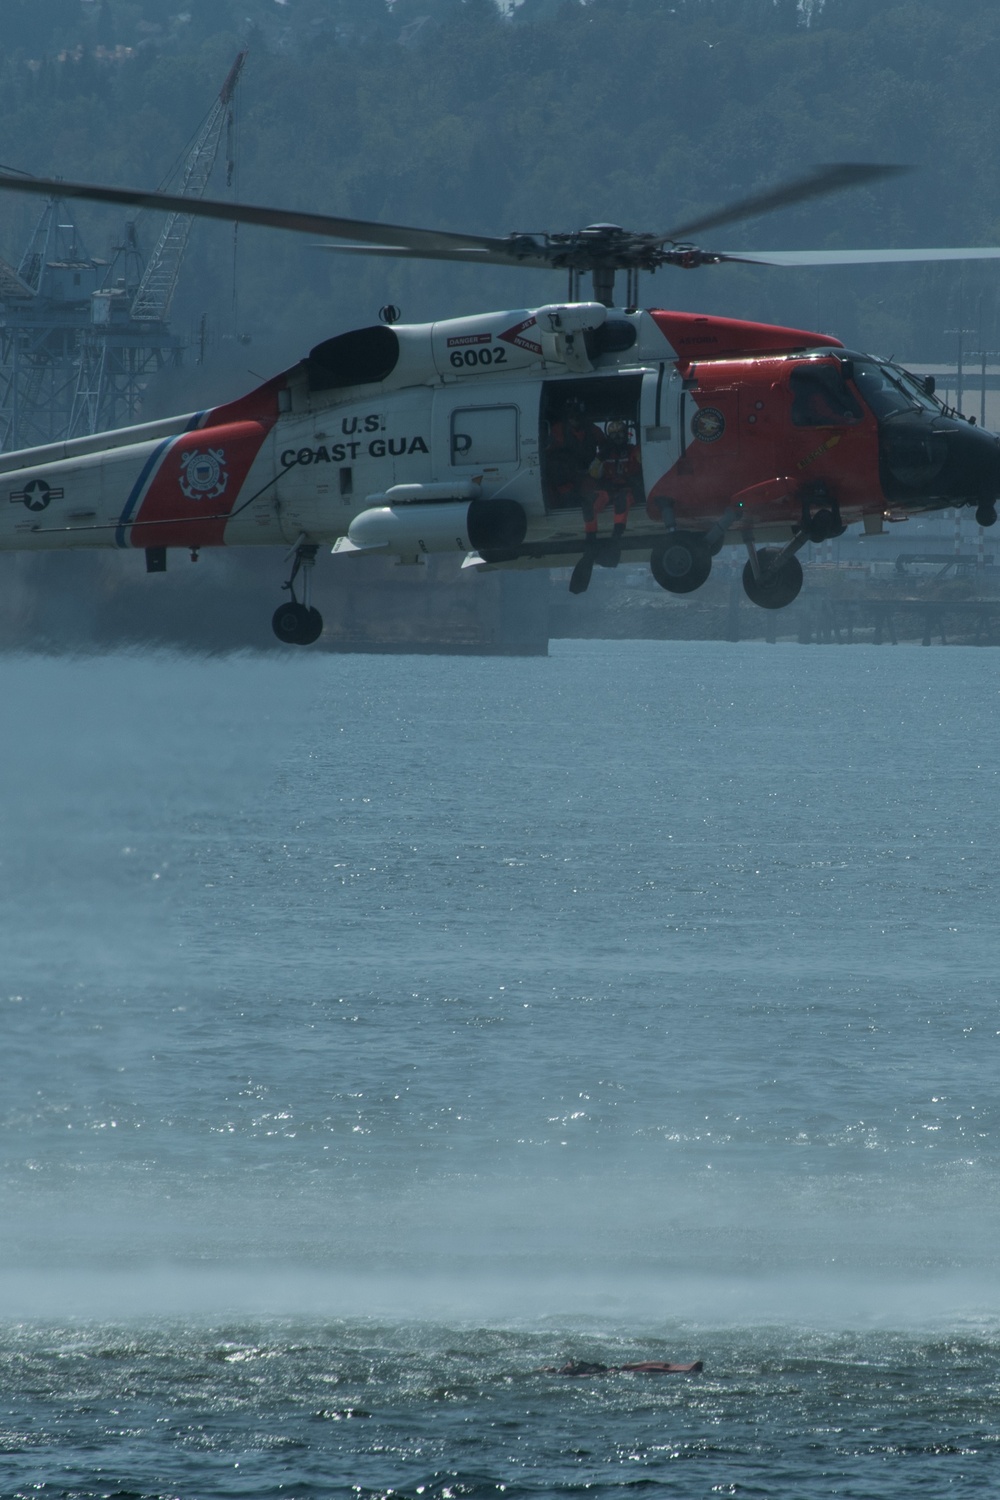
296,622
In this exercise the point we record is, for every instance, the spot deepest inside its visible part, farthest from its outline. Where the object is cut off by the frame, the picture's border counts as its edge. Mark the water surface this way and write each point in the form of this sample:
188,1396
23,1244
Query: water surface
379,1029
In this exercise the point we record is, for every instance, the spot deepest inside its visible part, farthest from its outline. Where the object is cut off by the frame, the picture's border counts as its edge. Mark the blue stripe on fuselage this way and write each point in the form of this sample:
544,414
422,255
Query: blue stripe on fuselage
139,487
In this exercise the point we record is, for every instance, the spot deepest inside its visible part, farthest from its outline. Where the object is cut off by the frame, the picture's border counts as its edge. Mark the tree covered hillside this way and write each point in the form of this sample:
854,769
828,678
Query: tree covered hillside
451,113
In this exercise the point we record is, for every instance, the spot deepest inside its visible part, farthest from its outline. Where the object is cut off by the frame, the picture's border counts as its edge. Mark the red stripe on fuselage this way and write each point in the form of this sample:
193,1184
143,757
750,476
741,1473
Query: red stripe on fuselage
258,405
198,484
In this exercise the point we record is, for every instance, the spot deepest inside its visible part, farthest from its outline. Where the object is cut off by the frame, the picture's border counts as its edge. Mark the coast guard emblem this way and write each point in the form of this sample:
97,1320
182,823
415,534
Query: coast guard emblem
204,475
708,424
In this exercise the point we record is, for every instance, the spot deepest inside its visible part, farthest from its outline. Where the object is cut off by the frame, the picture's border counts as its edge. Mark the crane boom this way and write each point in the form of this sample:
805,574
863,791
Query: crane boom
156,290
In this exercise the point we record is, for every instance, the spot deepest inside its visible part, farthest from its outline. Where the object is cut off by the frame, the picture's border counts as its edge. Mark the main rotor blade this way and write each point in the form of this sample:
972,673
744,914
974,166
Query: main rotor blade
859,257
427,240
815,184
472,255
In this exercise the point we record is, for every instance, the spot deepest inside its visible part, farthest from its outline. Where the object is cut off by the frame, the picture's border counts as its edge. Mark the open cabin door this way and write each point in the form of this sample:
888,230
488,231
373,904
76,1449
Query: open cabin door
594,401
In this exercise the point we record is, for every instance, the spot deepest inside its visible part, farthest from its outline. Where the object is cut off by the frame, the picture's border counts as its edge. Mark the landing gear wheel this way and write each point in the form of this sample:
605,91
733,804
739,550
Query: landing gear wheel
681,562
288,622
777,586
986,513
313,628
296,625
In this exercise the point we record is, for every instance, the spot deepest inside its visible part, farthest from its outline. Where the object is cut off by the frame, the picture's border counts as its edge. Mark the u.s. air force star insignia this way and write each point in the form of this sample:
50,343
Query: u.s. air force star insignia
708,424
203,475
35,495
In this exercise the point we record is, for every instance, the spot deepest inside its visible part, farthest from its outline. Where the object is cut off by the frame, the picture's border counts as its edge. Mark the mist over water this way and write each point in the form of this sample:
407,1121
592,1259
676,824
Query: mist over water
664,956
629,1001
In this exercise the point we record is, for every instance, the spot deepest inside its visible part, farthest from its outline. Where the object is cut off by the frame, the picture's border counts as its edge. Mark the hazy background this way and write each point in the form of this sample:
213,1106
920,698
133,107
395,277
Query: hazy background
450,113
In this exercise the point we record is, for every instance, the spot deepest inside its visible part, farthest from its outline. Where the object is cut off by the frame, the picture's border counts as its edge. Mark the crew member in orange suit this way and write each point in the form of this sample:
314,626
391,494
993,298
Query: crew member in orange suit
617,473
571,450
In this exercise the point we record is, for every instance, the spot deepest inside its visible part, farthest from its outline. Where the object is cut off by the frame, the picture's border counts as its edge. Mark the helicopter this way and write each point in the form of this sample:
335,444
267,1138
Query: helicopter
491,436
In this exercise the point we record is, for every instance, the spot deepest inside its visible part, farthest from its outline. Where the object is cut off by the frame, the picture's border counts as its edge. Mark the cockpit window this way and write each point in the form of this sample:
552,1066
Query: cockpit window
821,398
915,388
889,390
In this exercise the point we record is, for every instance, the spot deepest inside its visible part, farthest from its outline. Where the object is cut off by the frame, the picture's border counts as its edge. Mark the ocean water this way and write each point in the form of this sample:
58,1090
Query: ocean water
377,1031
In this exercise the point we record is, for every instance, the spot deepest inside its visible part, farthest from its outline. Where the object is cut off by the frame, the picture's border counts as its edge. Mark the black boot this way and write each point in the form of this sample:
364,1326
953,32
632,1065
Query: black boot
580,581
611,552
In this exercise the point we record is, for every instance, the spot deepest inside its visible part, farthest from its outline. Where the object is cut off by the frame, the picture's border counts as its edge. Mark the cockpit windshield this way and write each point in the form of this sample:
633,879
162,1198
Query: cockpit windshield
888,390
916,387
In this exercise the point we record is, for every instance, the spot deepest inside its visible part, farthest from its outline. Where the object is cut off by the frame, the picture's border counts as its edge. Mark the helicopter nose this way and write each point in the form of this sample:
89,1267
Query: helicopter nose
974,463
940,460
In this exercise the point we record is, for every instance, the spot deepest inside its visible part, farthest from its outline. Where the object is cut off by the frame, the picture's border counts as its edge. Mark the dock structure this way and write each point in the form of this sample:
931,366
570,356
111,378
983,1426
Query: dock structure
880,621
107,597
931,597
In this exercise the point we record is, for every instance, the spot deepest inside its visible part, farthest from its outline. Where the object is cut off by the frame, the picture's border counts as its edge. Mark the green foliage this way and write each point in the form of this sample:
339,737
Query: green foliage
449,113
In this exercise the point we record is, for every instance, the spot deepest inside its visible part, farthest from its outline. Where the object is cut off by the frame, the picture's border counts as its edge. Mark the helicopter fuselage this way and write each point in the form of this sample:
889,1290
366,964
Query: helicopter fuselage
421,439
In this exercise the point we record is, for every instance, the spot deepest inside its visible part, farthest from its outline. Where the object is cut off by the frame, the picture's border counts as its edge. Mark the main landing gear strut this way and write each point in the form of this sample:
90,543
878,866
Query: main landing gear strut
295,622
772,576
682,560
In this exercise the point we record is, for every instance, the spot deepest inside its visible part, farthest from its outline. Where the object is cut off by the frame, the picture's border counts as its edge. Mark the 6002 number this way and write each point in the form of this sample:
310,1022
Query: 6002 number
462,357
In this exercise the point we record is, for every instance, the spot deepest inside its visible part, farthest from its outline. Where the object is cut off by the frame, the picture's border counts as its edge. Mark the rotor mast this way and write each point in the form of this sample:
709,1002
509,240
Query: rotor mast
604,285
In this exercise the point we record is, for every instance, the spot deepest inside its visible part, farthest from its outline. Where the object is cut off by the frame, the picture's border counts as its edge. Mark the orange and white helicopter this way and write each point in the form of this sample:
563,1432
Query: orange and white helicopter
487,436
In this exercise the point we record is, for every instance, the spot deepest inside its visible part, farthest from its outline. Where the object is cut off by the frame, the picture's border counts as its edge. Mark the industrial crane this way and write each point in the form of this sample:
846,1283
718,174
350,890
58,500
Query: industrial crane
156,289
80,337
